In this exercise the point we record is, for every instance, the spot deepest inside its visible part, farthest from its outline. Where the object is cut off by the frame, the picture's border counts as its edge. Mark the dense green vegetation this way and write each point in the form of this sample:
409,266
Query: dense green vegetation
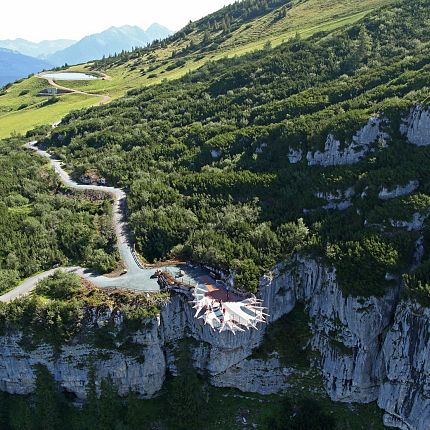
42,224
60,309
417,284
206,157
248,30
289,337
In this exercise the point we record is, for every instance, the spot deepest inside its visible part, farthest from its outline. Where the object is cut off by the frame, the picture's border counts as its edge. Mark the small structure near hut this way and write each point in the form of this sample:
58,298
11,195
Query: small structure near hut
52,91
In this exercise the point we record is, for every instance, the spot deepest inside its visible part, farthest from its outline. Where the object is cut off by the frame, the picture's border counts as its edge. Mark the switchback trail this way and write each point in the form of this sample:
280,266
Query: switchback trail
137,277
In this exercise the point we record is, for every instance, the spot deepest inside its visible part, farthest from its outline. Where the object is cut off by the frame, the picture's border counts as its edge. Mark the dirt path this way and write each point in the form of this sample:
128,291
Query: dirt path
52,82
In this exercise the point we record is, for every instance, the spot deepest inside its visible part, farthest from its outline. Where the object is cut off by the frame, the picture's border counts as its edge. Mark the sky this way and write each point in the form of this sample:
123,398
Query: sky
47,19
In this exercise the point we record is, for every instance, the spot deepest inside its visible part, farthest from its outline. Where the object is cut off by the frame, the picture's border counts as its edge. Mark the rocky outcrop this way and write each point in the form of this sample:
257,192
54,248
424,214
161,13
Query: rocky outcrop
335,153
416,126
398,191
364,355
339,200
216,154
347,334
416,224
405,392
260,149
143,374
144,368
346,330
369,349
253,375
295,155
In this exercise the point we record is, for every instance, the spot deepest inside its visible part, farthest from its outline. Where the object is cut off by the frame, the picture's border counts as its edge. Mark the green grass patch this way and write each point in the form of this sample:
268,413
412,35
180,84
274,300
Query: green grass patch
305,18
21,121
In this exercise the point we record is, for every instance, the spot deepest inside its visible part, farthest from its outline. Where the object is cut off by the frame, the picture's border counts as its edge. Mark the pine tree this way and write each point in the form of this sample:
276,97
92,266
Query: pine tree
364,44
186,401
135,416
268,45
206,38
21,415
46,400
4,410
91,408
109,405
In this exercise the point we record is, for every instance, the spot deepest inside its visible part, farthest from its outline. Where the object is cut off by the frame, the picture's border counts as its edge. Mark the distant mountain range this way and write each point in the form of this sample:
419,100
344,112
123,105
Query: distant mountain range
110,41
38,50
14,66
19,57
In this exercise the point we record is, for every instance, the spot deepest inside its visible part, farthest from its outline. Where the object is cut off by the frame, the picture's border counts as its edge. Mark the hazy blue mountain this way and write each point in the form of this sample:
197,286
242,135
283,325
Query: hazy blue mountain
32,49
158,31
110,41
14,65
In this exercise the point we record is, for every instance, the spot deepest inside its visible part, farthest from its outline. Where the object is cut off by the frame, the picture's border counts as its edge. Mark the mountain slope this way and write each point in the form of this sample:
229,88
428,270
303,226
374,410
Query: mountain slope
247,26
243,147
109,42
157,32
308,162
176,56
14,65
40,50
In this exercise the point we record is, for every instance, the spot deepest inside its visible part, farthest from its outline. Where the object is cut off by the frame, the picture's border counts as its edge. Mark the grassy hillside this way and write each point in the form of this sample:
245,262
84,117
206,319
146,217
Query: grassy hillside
250,27
22,110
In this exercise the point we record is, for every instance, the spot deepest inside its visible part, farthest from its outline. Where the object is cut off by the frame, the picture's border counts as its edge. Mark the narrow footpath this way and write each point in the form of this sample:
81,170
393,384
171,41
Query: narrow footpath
104,98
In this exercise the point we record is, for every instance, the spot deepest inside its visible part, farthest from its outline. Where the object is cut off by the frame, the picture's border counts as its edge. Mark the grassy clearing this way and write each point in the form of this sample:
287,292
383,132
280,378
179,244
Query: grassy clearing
19,105
21,109
24,120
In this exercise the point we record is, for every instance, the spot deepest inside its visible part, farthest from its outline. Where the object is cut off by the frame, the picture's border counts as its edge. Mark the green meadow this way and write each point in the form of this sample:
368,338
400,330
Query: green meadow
22,110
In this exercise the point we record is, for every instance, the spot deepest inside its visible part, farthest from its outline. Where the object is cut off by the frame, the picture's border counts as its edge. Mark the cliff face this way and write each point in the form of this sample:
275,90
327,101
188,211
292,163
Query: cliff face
370,349
405,392
142,369
144,374
346,331
362,142
398,191
416,126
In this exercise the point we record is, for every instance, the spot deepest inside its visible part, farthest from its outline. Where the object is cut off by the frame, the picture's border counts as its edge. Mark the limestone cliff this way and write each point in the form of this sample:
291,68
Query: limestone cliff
416,126
335,153
405,392
369,349
363,355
